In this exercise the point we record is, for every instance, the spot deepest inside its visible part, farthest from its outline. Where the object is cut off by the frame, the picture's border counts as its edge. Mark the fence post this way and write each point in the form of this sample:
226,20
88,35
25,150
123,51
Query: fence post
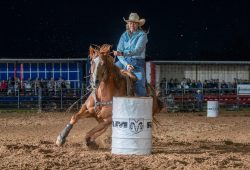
182,98
74,88
35,89
238,99
18,99
61,99
39,100
82,93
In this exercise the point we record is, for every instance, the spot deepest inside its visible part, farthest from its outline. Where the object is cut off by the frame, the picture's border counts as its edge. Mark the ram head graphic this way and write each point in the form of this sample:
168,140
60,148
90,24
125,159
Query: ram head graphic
136,125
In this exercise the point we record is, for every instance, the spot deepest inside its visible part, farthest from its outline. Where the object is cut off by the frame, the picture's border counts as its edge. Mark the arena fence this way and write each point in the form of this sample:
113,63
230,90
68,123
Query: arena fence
176,99
43,99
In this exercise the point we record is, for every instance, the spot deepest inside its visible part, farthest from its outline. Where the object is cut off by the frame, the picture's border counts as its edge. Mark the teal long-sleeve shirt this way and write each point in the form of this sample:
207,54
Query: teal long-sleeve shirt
132,45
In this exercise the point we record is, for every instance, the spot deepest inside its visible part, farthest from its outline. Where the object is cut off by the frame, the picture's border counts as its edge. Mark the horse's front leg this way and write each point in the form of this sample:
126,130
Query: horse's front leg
83,113
97,131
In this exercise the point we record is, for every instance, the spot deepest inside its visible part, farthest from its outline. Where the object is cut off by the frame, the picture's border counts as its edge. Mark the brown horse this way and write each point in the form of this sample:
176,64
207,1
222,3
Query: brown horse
107,81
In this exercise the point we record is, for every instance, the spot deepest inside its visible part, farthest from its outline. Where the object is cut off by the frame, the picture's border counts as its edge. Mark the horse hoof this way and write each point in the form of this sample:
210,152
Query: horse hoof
91,144
60,141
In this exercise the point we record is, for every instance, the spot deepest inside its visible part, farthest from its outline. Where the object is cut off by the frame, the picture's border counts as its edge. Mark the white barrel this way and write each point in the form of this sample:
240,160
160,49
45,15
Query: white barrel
212,108
132,125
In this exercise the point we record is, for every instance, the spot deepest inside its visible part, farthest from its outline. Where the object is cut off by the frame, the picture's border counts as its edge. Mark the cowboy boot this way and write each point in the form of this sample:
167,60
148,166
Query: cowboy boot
61,138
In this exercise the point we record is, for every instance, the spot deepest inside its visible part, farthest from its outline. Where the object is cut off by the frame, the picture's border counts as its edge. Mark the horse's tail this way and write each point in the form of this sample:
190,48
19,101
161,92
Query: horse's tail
160,103
156,96
156,122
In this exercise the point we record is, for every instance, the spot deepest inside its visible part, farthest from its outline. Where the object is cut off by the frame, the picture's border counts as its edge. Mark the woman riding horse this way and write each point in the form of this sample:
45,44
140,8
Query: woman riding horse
107,81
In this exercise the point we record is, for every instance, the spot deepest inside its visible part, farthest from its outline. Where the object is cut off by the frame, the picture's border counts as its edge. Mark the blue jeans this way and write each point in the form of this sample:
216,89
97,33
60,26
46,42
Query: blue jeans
139,71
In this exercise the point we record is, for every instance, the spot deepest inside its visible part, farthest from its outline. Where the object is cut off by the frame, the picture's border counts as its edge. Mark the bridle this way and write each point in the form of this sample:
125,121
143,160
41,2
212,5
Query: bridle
93,72
93,80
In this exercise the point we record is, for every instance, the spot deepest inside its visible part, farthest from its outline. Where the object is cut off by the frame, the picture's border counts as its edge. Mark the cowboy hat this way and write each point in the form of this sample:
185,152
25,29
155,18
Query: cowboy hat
134,17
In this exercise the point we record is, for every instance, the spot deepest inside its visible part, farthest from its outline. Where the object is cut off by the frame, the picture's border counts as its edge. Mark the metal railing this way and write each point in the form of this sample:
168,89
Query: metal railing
42,99
179,99
175,99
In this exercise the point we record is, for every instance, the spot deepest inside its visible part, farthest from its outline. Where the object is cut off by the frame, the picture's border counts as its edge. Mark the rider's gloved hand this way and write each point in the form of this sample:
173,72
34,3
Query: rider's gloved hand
130,67
117,53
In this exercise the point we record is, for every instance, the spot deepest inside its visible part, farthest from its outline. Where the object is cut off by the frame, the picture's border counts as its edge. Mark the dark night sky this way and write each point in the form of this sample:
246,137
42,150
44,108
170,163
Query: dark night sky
179,29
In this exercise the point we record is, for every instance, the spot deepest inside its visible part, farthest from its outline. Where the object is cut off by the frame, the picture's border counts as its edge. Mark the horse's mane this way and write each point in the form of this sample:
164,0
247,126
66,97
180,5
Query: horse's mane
111,70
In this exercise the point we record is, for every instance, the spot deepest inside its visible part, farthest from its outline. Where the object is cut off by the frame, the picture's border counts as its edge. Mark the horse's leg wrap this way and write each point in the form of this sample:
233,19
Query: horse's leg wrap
62,136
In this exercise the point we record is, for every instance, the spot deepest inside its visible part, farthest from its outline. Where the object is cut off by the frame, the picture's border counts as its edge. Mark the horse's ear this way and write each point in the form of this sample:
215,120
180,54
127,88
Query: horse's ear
105,49
91,52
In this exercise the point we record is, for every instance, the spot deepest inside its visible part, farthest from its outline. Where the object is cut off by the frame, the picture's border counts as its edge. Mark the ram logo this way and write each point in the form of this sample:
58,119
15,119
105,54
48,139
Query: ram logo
136,125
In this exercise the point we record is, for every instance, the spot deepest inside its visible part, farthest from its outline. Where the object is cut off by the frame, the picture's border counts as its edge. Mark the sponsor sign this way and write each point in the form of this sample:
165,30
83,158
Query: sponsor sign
243,89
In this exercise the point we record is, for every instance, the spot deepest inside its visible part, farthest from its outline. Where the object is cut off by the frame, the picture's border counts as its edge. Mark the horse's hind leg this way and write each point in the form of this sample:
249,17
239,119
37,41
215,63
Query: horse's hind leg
61,139
96,132
90,141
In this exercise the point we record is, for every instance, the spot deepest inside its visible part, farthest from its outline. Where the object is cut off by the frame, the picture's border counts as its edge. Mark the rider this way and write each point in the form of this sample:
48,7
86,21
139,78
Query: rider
131,51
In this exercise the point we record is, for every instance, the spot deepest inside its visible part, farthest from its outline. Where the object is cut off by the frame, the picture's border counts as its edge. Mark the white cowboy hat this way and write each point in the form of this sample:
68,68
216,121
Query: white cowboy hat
134,17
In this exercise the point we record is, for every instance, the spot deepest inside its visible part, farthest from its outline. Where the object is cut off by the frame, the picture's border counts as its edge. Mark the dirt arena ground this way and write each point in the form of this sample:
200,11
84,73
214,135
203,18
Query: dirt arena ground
184,141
